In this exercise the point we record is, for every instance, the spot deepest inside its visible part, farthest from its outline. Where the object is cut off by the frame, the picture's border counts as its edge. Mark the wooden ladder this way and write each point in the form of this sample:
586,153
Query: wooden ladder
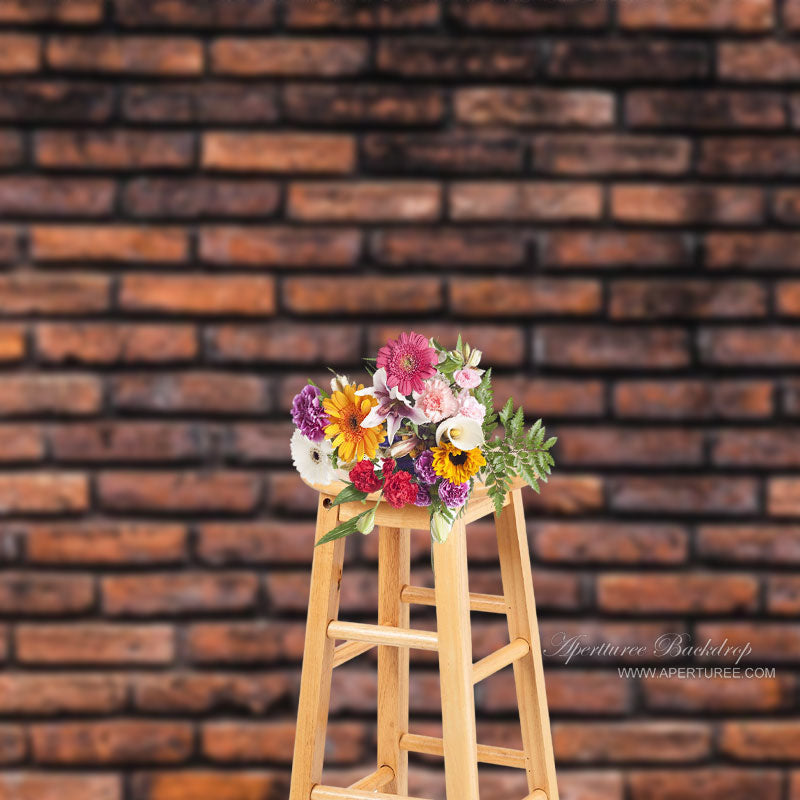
393,638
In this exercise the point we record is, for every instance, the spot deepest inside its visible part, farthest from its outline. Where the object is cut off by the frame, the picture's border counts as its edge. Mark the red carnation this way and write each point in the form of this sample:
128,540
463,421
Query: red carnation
388,467
364,478
399,490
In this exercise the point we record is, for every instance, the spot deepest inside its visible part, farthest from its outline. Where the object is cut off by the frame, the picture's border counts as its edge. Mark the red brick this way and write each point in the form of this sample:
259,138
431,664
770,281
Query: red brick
628,446
626,742
183,13
55,101
179,491
55,786
125,543
783,595
21,443
57,197
255,542
200,197
750,347
770,641
9,244
763,250
749,544
694,399
333,14
284,342
50,393
757,447
703,784
704,108
61,11
47,594
512,296
363,103
598,348
666,299
791,398
787,298
371,201
687,495
209,101
552,396
289,56
712,695
244,642
108,243
687,204
278,152
12,341
116,149
19,53
567,494
783,497
759,156
28,292
43,492
615,249
183,593
280,246
107,343
775,740
94,643
791,14
13,745
446,246
610,60
759,61
157,55
514,17
606,542
362,295
51,694
448,57
198,294
610,153
677,593
11,152
112,742
190,391
704,15
239,785
522,201
534,107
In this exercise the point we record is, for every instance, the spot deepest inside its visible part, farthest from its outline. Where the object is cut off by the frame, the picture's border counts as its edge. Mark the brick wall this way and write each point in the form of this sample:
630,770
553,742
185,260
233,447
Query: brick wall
203,202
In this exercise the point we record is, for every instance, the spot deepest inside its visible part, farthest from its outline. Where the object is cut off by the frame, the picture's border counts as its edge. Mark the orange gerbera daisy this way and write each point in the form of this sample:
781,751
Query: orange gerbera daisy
346,412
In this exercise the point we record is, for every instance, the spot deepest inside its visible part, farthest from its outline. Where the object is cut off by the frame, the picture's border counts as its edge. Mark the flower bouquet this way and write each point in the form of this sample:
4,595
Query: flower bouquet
422,434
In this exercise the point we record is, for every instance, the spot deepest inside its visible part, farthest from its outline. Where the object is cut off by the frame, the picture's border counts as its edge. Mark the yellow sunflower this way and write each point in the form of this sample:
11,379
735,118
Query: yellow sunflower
457,466
346,412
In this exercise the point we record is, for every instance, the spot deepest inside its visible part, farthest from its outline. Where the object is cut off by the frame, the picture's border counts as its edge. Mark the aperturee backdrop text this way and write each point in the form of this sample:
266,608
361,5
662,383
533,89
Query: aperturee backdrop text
422,434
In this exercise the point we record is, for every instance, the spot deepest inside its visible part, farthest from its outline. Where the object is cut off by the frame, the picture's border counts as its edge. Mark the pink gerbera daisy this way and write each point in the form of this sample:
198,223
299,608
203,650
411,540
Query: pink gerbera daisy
408,360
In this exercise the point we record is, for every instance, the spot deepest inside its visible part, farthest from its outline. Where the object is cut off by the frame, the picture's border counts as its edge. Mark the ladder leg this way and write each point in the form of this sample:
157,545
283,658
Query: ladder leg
315,682
393,575
455,666
528,671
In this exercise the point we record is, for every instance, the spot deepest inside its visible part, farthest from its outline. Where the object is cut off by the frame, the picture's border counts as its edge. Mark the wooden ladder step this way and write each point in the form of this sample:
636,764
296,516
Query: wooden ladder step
376,781
506,655
320,792
488,603
536,794
487,754
348,651
383,635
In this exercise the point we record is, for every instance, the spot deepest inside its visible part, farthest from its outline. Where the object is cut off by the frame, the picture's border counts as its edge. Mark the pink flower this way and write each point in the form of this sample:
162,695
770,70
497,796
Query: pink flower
437,400
468,406
408,360
467,378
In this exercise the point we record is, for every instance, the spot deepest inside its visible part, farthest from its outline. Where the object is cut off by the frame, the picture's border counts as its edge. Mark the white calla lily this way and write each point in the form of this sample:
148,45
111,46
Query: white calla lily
463,432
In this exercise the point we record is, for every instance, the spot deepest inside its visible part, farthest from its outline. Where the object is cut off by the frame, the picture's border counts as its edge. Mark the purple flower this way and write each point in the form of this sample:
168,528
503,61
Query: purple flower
423,466
308,414
453,495
423,496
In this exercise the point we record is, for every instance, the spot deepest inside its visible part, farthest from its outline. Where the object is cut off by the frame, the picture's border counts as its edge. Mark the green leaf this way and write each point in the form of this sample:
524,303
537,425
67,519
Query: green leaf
344,529
348,495
550,442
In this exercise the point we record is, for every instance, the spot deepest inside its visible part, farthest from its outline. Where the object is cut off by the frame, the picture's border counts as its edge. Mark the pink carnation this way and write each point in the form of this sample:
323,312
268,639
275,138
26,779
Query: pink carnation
437,400
468,406
467,378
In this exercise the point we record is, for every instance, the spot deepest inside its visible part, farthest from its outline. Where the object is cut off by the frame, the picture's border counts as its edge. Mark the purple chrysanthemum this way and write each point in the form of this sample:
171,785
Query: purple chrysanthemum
423,496
423,466
308,414
453,495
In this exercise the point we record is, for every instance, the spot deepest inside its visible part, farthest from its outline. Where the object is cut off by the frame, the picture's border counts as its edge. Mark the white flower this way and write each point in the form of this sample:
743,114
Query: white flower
312,459
339,382
463,432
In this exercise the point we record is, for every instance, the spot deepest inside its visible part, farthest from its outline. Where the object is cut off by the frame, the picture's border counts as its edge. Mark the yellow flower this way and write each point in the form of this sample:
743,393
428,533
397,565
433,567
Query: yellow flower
346,412
457,466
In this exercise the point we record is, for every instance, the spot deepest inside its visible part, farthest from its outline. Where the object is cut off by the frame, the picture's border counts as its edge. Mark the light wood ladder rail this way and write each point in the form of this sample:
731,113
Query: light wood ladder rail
394,637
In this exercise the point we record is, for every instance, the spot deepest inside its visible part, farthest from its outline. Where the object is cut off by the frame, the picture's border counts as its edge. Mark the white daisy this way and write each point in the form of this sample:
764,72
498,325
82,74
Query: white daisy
312,459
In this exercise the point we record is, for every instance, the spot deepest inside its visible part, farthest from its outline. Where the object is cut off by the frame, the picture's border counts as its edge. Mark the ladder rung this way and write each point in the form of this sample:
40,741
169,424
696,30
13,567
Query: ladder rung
537,794
384,635
506,655
320,792
377,780
489,603
348,651
487,754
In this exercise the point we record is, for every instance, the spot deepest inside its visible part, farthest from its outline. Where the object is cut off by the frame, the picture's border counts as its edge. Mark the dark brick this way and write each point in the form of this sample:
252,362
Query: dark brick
156,13
55,101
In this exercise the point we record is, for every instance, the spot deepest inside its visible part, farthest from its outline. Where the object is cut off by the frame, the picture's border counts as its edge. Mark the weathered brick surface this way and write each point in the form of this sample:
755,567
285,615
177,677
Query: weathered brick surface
201,203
